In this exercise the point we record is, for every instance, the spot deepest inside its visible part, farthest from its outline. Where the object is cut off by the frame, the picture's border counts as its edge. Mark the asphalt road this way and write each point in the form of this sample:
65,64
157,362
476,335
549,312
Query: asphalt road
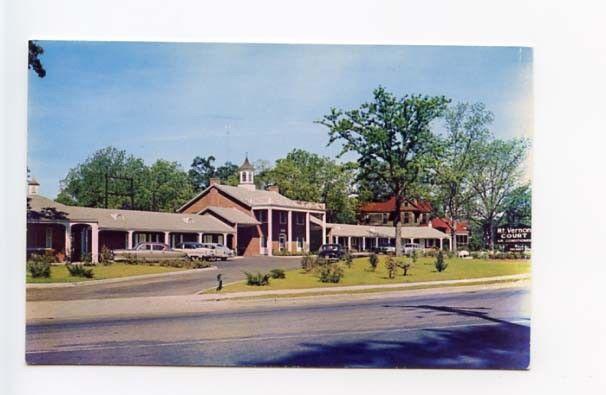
182,284
481,329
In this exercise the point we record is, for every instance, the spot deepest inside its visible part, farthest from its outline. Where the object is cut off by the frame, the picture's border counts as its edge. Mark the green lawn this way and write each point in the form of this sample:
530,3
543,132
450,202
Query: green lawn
422,270
59,274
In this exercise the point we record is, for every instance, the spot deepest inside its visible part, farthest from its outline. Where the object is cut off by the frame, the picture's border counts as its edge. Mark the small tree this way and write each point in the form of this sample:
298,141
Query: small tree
307,262
440,264
391,267
373,259
348,259
414,255
404,266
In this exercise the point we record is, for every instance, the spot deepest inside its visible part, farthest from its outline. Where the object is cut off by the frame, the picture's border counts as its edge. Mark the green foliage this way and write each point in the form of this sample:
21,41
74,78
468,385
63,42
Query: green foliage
202,170
373,260
308,262
414,255
330,272
391,266
277,273
517,206
348,259
86,257
34,62
48,257
405,266
163,186
39,269
257,279
440,264
106,256
79,271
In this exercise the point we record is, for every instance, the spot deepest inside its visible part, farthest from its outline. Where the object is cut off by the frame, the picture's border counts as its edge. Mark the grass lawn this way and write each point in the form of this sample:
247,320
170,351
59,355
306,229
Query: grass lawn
423,270
59,274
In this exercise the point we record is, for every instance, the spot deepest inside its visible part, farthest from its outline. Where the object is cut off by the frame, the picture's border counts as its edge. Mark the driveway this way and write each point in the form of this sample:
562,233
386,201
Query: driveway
182,284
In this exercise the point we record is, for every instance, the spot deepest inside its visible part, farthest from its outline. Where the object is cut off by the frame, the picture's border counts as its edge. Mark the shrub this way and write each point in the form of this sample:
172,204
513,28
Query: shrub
79,271
391,267
373,260
414,255
258,279
440,264
348,259
106,256
449,254
277,273
430,253
330,273
86,257
47,257
307,262
39,269
404,266
200,264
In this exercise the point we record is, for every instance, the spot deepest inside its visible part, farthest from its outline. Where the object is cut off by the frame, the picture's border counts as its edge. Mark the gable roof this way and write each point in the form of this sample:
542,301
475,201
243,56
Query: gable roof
256,198
407,232
232,215
116,219
443,223
389,206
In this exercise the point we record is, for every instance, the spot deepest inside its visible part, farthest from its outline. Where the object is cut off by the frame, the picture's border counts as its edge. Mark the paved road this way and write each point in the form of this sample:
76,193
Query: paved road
182,284
482,329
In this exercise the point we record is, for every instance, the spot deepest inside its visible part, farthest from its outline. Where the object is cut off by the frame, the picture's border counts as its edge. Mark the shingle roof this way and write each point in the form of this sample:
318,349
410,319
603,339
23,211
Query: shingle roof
408,232
246,165
129,219
232,215
389,206
443,223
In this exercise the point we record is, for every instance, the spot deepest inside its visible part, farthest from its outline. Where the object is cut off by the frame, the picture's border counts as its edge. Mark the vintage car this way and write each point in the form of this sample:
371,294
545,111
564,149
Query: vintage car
331,251
408,248
149,252
195,251
220,251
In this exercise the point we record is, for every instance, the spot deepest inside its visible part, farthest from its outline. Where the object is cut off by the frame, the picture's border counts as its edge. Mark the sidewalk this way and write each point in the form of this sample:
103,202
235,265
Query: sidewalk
161,306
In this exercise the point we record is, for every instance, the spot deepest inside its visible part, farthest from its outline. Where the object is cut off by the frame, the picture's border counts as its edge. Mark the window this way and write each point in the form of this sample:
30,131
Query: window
49,238
385,217
158,247
207,238
261,216
300,218
299,243
283,217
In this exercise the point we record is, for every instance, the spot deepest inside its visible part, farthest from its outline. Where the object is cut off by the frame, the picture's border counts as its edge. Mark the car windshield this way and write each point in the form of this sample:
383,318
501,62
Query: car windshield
330,247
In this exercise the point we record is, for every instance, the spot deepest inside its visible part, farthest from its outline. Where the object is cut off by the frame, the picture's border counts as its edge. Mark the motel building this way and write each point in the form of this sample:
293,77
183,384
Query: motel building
246,219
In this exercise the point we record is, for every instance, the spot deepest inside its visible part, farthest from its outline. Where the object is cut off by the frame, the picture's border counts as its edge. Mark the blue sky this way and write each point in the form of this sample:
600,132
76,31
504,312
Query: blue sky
177,101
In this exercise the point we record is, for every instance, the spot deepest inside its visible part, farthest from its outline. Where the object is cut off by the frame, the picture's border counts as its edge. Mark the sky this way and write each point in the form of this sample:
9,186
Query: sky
176,101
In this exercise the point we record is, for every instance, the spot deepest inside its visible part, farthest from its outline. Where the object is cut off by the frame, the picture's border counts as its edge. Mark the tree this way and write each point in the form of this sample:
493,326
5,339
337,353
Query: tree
167,186
306,176
518,206
494,176
228,174
393,139
201,171
466,131
33,62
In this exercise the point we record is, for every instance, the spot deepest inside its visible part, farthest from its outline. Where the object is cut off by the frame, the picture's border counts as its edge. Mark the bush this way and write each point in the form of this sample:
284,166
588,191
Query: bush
348,259
86,257
330,273
391,267
430,253
277,273
39,269
414,255
106,256
307,262
79,271
258,279
47,257
404,266
440,264
449,254
373,260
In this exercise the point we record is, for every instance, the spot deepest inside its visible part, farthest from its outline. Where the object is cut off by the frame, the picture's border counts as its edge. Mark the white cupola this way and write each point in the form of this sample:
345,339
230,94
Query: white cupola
247,175
32,186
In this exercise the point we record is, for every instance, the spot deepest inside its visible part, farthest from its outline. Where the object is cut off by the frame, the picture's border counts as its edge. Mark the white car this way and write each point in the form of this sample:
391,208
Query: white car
463,254
196,250
410,247
220,251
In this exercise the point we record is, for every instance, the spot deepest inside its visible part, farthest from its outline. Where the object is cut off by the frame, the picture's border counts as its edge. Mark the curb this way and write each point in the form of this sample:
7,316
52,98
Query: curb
116,280
337,289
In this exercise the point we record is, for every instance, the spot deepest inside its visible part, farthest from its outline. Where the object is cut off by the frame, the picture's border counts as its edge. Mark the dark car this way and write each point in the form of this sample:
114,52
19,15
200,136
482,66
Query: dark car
331,251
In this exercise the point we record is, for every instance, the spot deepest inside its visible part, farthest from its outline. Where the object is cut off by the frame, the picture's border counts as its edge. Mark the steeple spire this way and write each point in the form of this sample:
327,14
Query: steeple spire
247,175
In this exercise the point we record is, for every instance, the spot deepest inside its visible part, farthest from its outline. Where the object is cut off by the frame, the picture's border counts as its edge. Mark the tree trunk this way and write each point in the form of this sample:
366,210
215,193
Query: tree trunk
453,235
398,225
491,233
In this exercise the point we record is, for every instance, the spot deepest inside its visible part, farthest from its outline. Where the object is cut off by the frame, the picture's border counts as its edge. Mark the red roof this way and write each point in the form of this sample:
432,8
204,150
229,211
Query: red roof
389,206
443,223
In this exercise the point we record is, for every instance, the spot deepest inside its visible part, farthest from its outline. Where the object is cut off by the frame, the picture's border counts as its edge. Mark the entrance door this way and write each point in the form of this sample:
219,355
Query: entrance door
282,242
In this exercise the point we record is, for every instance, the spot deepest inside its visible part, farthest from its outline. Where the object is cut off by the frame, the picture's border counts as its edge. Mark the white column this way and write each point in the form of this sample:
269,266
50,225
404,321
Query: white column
363,243
349,242
441,243
307,227
130,240
225,239
336,239
289,231
167,238
269,232
200,237
323,228
450,244
95,242
376,242
68,240
235,240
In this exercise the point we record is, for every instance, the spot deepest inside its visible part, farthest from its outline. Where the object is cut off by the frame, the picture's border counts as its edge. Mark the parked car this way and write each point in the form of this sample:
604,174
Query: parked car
220,251
410,247
463,253
152,252
386,249
331,251
195,250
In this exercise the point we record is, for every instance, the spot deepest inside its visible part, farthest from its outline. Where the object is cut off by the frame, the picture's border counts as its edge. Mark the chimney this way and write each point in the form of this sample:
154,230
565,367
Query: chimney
215,181
32,186
273,188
